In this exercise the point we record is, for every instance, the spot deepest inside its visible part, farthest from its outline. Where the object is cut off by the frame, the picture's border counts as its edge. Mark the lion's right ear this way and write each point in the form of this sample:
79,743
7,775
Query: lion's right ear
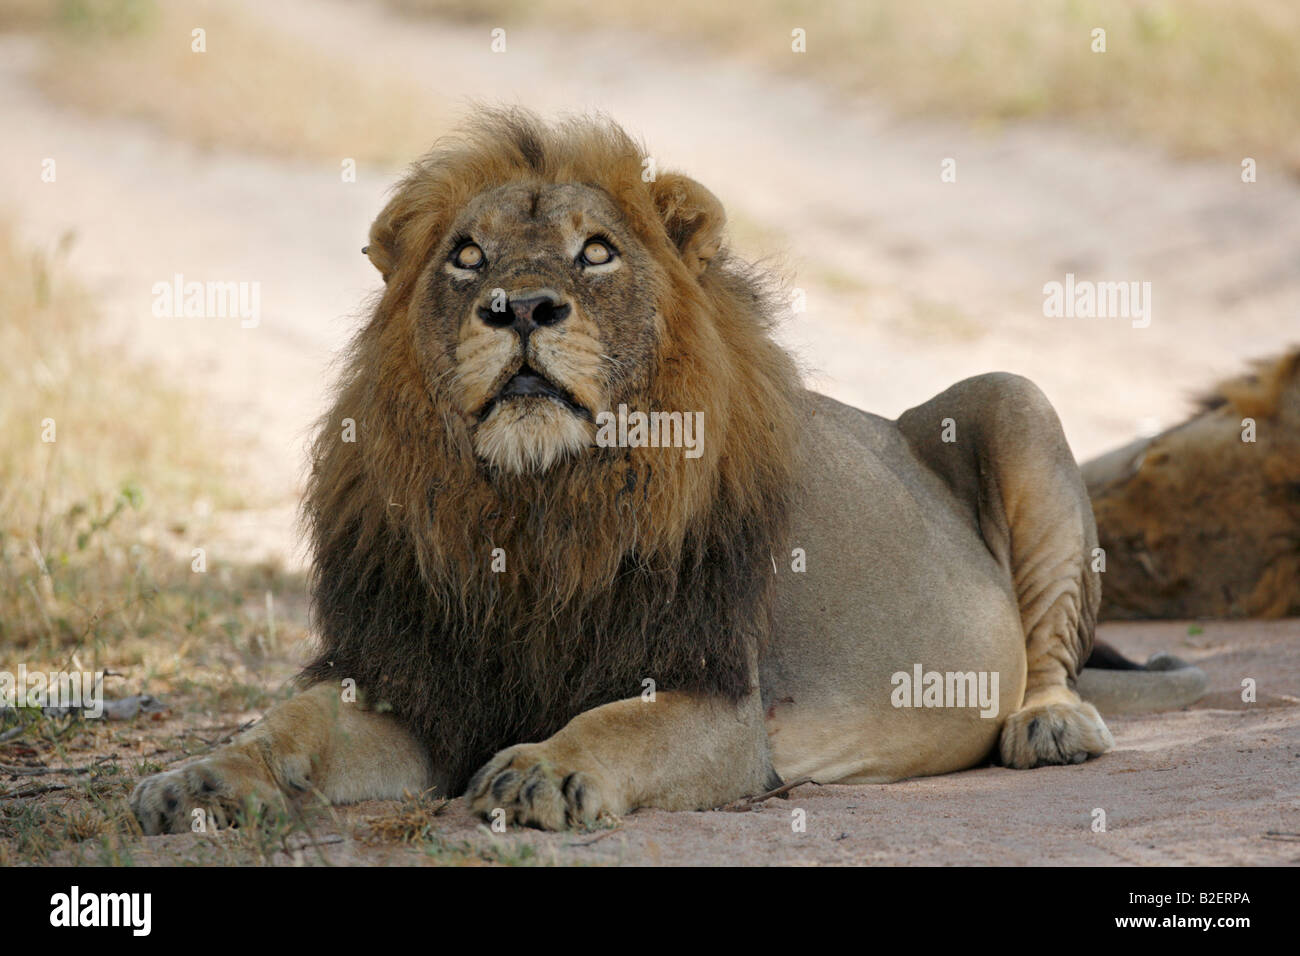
693,216
382,248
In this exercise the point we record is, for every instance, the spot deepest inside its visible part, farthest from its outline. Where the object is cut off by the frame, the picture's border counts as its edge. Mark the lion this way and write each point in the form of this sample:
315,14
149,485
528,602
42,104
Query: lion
1203,520
562,619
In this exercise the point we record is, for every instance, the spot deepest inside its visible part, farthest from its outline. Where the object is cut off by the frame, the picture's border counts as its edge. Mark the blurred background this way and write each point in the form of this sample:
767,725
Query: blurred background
145,140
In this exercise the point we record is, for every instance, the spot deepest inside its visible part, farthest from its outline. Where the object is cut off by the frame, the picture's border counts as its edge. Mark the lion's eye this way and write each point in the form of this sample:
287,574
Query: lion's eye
596,253
467,256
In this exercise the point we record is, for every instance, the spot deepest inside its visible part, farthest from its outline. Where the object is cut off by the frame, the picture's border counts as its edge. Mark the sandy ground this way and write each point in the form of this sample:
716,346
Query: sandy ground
1215,784
911,284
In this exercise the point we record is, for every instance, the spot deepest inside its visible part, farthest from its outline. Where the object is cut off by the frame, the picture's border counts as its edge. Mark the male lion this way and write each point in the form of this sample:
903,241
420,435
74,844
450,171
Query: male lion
503,587
1203,520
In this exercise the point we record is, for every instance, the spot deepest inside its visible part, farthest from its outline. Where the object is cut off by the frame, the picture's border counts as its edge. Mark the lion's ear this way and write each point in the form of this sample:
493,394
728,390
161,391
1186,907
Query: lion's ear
693,217
382,248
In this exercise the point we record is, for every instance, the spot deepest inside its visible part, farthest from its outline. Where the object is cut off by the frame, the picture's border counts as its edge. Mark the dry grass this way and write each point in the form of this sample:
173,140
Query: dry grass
100,523
96,533
96,530
27,14
411,822
252,89
414,825
1199,77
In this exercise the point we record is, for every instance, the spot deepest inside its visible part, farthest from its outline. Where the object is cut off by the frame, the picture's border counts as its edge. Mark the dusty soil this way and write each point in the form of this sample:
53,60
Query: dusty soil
1213,784
911,284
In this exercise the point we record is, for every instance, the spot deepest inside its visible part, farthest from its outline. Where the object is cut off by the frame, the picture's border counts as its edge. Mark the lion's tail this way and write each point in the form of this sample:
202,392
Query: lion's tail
1116,685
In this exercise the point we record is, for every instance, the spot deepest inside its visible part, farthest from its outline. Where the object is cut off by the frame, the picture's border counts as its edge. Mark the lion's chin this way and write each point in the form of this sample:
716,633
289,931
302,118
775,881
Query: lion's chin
529,435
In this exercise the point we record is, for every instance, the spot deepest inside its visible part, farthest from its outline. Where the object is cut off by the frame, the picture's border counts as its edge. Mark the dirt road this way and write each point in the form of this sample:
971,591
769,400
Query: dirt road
1214,784
911,283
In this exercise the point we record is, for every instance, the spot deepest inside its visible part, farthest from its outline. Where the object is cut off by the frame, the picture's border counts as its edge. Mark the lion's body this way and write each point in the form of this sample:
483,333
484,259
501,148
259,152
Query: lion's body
599,627
1203,521
898,575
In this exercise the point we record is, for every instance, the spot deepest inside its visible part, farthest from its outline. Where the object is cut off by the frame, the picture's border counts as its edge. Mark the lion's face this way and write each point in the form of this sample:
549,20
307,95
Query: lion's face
538,310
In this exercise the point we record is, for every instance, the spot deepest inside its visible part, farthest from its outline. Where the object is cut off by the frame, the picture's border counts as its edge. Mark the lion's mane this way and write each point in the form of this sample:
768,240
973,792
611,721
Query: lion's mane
1197,522
621,564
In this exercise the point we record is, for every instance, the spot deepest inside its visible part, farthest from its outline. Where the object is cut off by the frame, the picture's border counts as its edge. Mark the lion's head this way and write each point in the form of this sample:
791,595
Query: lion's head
486,560
1204,519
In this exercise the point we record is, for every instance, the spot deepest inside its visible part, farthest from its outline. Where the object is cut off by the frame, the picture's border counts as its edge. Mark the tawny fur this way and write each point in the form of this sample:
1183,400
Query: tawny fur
1197,522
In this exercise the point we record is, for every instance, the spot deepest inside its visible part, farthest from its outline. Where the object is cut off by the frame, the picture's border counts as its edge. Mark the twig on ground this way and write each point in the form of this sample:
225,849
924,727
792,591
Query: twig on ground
289,847
748,803
35,791
41,771
230,730
597,839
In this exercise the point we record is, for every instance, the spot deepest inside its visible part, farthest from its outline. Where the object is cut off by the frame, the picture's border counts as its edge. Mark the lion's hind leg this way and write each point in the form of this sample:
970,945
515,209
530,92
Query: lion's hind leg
1007,458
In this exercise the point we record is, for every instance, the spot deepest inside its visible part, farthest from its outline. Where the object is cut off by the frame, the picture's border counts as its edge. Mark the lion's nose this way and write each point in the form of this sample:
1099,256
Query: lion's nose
539,310
527,313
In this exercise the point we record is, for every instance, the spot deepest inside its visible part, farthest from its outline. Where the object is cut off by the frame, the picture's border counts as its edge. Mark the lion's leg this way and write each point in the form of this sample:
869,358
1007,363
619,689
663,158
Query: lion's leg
313,743
1010,463
678,752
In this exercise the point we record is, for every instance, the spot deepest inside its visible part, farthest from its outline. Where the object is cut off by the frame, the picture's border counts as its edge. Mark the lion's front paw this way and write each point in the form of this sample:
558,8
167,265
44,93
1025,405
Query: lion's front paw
532,790
1062,731
222,786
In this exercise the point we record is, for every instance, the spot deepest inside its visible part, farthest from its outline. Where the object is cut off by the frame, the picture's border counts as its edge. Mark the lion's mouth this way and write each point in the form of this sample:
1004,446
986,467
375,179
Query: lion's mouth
530,383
